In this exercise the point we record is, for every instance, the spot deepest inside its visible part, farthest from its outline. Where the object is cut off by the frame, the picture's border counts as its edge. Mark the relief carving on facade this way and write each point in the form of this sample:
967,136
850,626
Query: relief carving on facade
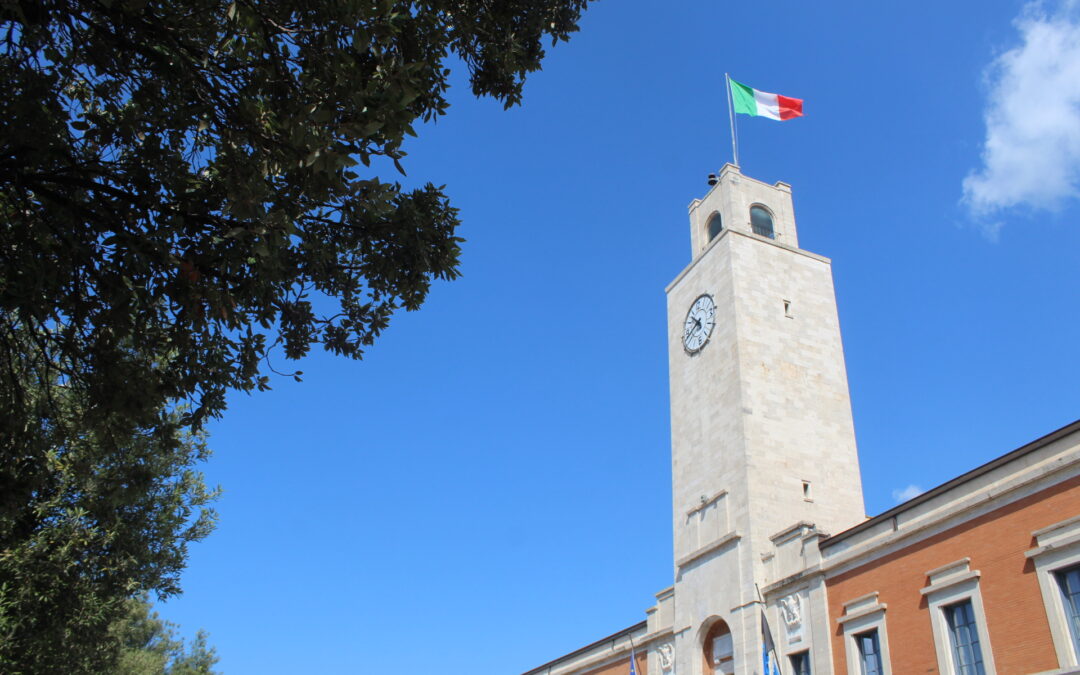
667,657
791,611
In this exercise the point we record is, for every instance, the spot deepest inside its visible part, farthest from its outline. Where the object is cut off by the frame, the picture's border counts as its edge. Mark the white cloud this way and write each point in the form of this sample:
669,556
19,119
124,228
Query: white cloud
910,492
1031,156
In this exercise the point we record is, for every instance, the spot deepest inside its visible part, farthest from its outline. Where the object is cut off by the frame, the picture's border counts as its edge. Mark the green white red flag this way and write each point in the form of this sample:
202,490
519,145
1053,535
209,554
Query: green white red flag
750,101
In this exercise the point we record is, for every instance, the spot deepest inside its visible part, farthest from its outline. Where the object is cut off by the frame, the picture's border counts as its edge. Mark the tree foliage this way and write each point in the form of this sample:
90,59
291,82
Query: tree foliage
147,645
186,185
93,513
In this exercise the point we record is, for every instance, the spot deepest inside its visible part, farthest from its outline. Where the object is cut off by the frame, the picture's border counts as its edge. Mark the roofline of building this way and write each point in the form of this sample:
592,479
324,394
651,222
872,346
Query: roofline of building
949,485
614,636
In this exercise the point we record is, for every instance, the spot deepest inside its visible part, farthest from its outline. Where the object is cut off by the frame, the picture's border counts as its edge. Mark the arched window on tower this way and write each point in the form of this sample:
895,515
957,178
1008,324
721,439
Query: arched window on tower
719,650
715,226
761,221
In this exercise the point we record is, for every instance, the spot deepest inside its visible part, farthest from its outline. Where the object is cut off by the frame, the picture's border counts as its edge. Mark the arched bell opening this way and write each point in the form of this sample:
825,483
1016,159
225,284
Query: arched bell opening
761,221
715,226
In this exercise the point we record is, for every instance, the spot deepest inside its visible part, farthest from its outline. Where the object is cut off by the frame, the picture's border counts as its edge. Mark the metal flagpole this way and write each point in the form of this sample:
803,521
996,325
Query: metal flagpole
731,117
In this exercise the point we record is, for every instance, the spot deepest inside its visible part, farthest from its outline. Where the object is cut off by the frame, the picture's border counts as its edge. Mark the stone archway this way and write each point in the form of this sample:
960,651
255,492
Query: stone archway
718,650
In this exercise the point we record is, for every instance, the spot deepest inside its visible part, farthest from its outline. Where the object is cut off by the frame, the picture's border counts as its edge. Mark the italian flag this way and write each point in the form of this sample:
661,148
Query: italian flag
750,101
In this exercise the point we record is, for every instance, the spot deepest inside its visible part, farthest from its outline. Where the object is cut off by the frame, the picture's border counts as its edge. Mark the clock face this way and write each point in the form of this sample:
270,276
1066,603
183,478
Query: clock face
699,324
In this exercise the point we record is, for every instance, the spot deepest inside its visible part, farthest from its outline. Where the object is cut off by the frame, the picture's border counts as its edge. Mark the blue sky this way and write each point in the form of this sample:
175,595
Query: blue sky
490,487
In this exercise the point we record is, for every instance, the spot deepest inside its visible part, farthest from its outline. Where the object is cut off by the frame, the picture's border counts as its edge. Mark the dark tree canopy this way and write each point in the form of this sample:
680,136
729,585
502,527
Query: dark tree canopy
88,519
185,187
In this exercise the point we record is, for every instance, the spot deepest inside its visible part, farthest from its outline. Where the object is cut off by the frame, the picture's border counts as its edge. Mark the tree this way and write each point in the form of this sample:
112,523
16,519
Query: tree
185,187
147,645
91,515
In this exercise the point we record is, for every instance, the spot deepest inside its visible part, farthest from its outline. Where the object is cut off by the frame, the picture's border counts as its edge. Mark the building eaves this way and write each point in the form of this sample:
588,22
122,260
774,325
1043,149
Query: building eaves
959,480
592,645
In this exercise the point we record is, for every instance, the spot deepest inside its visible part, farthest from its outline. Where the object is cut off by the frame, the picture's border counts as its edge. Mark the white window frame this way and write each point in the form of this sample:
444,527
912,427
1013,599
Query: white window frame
861,615
951,584
1057,547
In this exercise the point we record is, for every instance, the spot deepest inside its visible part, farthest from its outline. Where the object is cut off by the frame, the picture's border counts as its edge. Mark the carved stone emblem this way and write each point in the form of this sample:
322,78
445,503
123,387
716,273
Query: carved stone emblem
667,658
791,611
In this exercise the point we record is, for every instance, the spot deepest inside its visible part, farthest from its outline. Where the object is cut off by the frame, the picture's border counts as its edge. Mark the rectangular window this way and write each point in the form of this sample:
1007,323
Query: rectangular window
1069,583
869,653
800,663
723,652
967,656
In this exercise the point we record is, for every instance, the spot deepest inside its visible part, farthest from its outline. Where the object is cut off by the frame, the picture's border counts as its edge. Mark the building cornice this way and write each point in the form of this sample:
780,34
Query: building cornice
707,549
896,534
756,237
955,482
614,653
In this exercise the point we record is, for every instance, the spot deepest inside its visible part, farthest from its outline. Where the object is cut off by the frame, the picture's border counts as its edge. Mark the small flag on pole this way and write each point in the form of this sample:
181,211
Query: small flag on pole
750,101
633,665
768,648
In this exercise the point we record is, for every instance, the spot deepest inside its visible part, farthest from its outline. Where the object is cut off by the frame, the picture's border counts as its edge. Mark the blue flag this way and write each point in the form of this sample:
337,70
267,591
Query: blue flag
768,650
768,661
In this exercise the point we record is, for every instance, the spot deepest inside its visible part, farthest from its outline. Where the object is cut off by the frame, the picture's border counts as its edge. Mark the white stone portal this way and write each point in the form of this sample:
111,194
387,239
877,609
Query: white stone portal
761,427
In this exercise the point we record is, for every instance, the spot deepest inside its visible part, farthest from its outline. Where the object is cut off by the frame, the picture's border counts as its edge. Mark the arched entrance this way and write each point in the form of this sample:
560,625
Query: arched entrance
718,650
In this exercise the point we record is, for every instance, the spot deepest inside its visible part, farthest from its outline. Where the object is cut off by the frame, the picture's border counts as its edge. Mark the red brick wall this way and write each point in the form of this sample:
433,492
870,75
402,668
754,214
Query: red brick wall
1016,619
622,667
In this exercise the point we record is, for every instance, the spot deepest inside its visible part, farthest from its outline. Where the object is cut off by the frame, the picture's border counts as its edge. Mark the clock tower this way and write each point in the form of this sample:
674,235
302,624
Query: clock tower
761,427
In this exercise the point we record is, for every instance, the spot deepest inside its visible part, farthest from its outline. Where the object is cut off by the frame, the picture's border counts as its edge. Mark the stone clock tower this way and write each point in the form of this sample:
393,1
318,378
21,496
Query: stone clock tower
762,435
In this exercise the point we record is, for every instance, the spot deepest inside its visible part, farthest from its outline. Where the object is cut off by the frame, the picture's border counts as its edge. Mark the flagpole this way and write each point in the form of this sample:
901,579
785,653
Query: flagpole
731,118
